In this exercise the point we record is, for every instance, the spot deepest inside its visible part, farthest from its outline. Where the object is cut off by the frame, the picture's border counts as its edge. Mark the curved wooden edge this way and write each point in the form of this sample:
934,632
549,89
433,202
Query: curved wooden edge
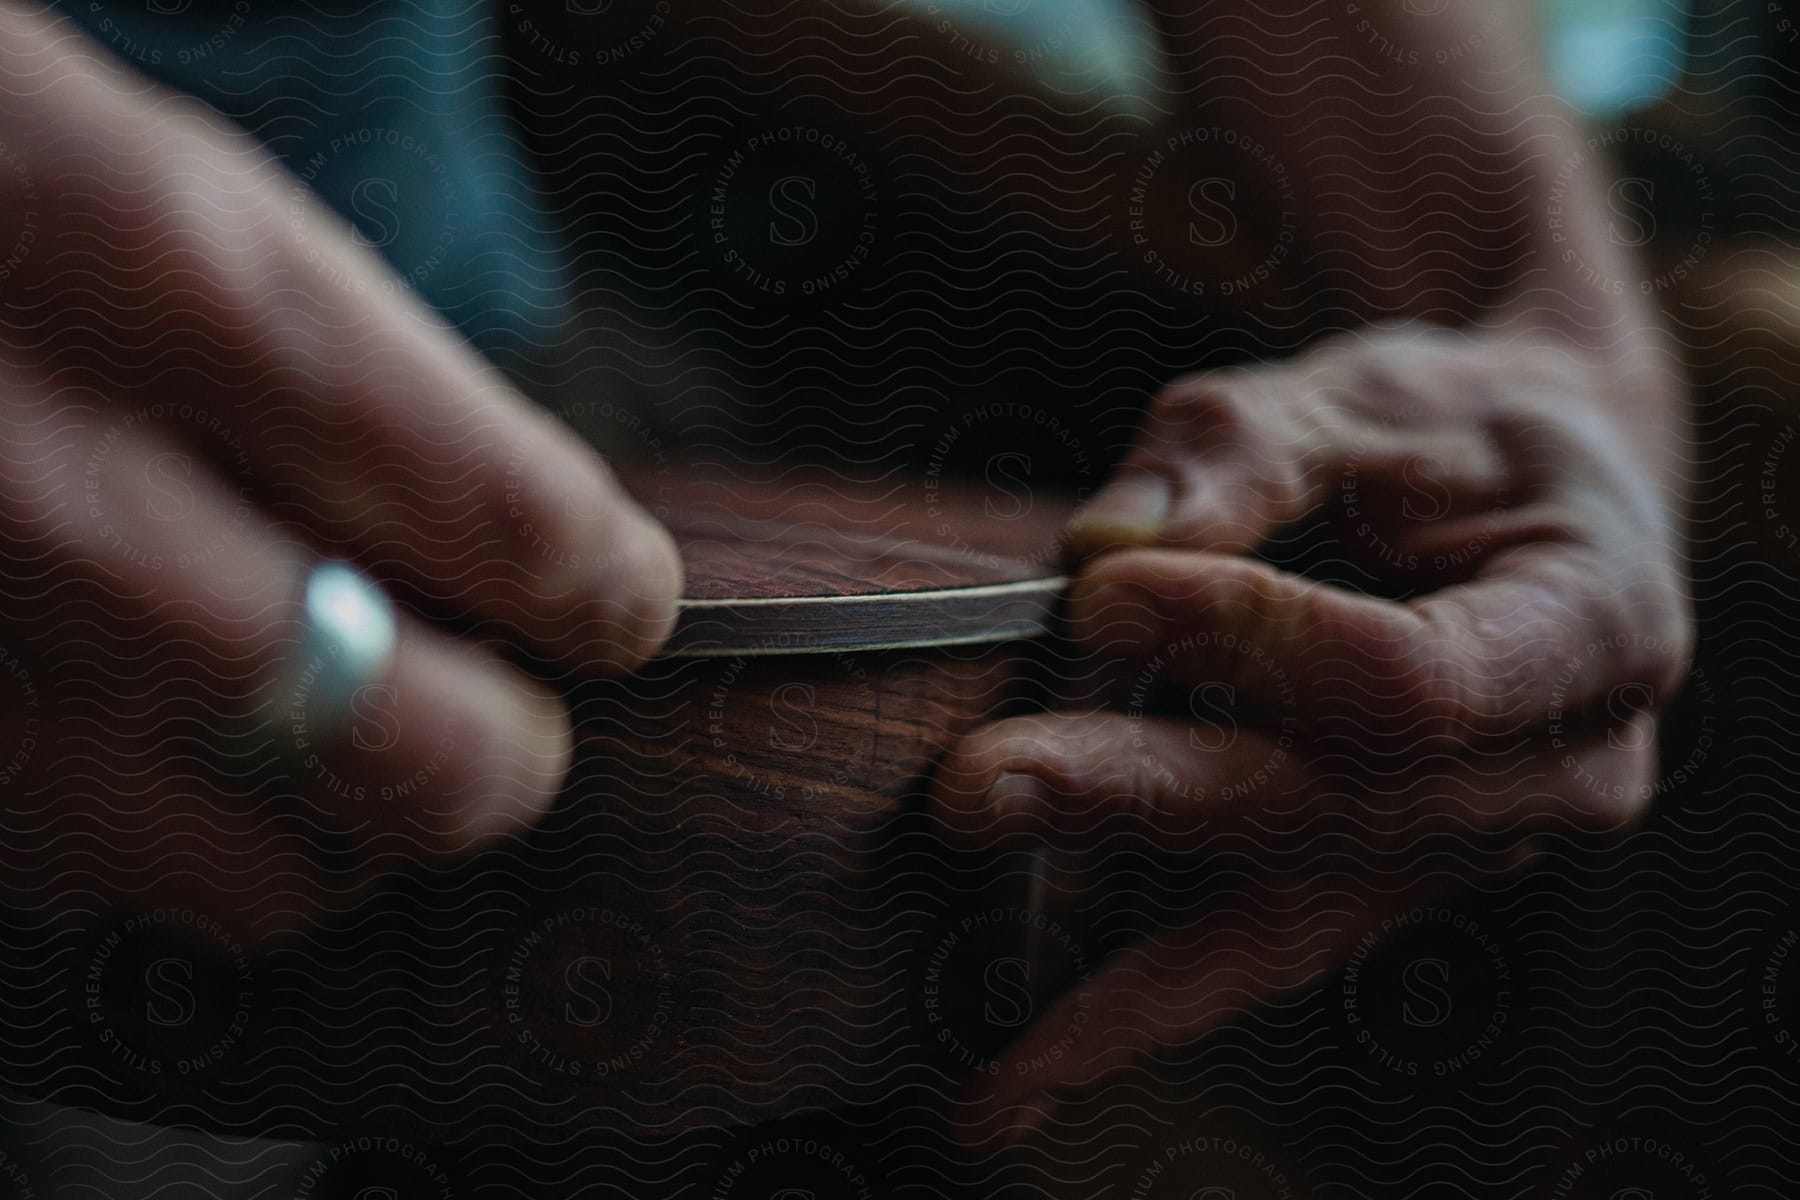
883,621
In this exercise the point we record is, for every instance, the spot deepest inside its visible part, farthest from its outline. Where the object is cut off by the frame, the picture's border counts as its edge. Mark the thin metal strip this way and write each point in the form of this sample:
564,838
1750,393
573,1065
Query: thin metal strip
883,621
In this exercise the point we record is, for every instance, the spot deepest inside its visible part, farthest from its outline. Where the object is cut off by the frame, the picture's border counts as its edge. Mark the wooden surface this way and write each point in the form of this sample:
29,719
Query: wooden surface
805,561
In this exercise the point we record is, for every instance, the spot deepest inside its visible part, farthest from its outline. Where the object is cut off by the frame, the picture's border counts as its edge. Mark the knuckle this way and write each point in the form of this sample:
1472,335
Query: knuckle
1206,412
1386,374
985,754
1404,685
1435,685
1241,421
1448,709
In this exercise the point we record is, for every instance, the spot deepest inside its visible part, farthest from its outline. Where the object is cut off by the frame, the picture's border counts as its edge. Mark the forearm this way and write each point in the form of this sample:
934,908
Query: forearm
1577,285
1434,178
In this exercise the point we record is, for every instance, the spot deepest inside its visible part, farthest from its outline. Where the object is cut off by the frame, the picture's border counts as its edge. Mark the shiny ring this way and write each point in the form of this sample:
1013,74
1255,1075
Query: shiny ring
347,641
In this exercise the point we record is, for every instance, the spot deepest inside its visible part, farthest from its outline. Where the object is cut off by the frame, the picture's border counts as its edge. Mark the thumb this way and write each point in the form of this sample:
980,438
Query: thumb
1220,462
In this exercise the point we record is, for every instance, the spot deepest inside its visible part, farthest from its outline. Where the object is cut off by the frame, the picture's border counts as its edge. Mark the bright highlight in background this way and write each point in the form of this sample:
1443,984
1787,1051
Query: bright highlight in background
1075,44
1610,56
1604,56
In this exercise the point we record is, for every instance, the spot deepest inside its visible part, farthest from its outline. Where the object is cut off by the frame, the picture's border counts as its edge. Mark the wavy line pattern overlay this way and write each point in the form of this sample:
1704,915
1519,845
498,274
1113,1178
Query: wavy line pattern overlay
1230,566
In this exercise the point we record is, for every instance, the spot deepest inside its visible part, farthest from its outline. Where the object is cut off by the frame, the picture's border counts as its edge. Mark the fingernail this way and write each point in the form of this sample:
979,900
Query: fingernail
1129,511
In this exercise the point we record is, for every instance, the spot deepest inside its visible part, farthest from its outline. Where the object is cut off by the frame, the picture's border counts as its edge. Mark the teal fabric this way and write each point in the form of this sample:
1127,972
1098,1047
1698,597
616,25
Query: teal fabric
389,110
1608,57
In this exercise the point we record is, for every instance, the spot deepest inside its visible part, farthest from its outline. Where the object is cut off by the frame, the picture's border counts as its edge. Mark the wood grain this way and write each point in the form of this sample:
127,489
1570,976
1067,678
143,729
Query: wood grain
808,561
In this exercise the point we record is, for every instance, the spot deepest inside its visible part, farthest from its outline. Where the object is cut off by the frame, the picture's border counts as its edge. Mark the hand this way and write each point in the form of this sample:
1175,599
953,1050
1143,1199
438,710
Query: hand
205,390
1363,753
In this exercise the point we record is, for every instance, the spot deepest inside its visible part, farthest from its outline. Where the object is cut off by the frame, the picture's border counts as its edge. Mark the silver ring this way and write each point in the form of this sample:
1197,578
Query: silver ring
347,641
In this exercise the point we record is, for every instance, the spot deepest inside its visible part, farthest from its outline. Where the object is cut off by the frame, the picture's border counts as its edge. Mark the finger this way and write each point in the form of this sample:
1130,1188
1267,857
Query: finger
1227,457
1282,936
1546,632
1222,458
1066,778
483,510
1326,896
444,750
285,345
441,748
